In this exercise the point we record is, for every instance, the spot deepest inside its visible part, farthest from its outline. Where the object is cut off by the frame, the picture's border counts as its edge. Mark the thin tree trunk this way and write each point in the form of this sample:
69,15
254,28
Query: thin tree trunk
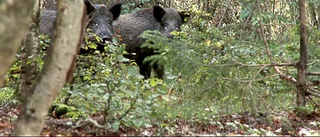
15,17
302,65
313,14
66,37
29,49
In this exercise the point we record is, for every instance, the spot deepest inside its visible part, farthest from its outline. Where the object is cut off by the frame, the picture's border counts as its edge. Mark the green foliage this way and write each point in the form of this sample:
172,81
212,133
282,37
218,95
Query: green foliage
7,96
216,66
128,7
155,41
108,85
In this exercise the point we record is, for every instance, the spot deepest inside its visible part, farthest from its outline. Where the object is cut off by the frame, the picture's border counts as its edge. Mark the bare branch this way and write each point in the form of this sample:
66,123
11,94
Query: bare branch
128,110
256,65
313,74
314,83
284,76
246,81
313,92
265,65
256,74
281,75
263,34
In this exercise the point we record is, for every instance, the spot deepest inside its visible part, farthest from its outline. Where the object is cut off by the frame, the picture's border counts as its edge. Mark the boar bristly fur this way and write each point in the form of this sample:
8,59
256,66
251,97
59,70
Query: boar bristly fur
100,23
130,26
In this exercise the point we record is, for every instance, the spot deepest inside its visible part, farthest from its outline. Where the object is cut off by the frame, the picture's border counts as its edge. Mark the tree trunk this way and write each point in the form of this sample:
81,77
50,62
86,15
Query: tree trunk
302,64
313,14
29,49
14,19
66,37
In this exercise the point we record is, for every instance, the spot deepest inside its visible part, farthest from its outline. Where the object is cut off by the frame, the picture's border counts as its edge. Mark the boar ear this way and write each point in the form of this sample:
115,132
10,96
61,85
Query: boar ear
184,16
115,10
90,8
158,13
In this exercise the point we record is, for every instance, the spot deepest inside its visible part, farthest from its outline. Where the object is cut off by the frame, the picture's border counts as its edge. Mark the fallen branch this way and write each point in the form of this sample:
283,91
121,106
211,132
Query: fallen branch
58,122
80,123
88,121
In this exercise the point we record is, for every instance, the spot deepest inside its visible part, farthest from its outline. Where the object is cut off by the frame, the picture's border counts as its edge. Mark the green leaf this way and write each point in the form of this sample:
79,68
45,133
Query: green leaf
115,125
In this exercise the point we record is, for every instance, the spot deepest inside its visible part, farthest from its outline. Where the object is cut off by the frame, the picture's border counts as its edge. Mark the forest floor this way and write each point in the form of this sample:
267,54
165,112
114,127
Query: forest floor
246,124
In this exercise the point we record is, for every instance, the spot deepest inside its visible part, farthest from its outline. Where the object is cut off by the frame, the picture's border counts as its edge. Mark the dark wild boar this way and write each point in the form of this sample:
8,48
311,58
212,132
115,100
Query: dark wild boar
130,26
47,21
100,22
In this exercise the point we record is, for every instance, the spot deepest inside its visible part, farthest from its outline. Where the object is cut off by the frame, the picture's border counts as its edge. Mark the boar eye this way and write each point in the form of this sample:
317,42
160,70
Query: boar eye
165,26
96,24
177,27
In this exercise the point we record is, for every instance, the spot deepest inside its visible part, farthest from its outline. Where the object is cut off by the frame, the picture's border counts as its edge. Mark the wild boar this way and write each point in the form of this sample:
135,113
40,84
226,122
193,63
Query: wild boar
130,26
100,22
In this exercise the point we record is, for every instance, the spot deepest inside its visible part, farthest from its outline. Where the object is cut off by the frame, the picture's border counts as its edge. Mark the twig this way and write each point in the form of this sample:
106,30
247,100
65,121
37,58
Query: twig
313,74
313,92
256,75
128,110
224,13
257,65
4,106
281,75
314,103
267,77
262,33
314,83
285,77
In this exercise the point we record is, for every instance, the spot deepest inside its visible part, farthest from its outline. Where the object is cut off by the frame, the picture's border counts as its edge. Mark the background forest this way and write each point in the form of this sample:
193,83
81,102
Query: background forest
233,69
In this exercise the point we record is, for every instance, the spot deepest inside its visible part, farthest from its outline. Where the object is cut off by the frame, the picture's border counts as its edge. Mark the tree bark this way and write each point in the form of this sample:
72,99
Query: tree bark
29,49
302,64
14,19
66,37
